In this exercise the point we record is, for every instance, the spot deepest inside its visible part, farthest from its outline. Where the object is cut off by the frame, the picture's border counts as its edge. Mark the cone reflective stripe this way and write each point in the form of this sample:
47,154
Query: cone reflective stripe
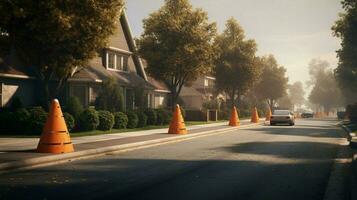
234,119
268,116
55,136
255,116
177,125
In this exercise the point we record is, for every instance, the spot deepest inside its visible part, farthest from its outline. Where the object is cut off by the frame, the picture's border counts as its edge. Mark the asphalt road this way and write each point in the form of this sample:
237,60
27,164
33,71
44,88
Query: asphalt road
262,162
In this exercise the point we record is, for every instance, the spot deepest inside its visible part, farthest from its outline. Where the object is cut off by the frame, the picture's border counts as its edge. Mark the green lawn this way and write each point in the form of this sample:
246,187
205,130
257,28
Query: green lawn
98,132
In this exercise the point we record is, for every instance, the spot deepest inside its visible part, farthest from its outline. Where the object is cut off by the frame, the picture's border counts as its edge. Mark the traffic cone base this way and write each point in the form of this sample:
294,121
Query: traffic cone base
255,116
234,119
55,136
177,125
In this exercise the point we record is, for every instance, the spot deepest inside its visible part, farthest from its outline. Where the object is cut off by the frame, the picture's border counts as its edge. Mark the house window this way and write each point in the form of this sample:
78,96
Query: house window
111,60
117,61
206,83
1,103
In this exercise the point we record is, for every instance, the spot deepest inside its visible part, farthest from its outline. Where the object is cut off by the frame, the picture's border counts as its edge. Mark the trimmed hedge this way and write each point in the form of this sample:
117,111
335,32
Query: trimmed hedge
120,120
88,120
37,120
152,116
74,107
106,120
69,119
132,119
142,119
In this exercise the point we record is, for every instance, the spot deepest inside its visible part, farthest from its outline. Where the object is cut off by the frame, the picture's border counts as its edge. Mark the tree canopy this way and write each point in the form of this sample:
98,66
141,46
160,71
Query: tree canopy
237,67
296,94
57,36
325,91
346,29
273,83
177,45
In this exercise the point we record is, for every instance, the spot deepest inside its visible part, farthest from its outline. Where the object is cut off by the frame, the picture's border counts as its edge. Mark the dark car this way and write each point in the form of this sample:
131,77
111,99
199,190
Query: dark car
307,115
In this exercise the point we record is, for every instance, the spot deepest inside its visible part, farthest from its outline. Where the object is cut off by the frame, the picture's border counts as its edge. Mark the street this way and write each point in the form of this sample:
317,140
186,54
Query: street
259,162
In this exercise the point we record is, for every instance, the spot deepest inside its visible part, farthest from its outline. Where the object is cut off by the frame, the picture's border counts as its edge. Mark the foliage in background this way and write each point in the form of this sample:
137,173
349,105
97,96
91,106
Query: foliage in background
325,91
142,119
70,121
74,107
37,120
237,67
88,120
177,45
132,119
120,120
273,83
111,97
152,116
346,29
296,94
56,37
106,120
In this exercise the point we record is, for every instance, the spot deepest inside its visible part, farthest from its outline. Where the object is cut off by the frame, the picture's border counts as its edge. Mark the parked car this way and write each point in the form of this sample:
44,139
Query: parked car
341,114
307,115
282,116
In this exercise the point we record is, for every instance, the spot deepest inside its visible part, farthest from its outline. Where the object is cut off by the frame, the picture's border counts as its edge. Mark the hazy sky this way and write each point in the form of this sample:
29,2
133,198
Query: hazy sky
294,31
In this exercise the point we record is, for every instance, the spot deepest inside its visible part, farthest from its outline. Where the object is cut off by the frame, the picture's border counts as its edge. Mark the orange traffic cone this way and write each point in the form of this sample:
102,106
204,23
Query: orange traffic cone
268,116
177,125
234,120
55,136
255,116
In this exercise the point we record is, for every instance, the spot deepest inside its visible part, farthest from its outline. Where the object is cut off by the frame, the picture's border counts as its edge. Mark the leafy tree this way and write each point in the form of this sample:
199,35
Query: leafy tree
346,29
111,97
296,94
273,83
237,66
177,45
56,37
325,92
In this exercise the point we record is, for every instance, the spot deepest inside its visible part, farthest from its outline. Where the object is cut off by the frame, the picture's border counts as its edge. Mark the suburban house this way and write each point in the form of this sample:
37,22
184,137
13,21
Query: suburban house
201,91
117,60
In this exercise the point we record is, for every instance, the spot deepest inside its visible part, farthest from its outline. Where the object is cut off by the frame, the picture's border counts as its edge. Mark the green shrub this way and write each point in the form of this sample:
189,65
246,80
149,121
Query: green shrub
160,114
152,116
106,120
74,107
143,118
88,120
37,120
120,120
168,117
132,119
70,121
21,121
111,97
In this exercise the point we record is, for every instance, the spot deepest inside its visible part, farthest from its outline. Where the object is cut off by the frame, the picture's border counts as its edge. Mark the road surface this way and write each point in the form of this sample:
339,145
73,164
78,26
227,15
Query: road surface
262,162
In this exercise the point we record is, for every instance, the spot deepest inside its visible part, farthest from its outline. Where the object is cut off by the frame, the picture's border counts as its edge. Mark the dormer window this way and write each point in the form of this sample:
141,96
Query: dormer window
116,60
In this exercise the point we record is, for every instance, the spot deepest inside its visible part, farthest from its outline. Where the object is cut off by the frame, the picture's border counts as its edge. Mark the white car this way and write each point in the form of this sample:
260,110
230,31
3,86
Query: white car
282,116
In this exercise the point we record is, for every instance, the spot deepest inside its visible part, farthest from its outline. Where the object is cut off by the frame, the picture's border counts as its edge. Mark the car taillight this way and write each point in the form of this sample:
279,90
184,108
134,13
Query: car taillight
271,117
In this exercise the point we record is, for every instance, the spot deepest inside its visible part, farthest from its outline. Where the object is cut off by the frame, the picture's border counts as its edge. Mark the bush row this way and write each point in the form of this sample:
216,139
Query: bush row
31,121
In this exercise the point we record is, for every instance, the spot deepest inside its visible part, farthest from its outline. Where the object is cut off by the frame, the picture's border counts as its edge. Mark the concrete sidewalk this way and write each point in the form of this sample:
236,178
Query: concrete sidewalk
18,153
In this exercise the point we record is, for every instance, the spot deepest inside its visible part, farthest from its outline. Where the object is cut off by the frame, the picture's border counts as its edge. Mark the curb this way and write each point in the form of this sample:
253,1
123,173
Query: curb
68,157
350,135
